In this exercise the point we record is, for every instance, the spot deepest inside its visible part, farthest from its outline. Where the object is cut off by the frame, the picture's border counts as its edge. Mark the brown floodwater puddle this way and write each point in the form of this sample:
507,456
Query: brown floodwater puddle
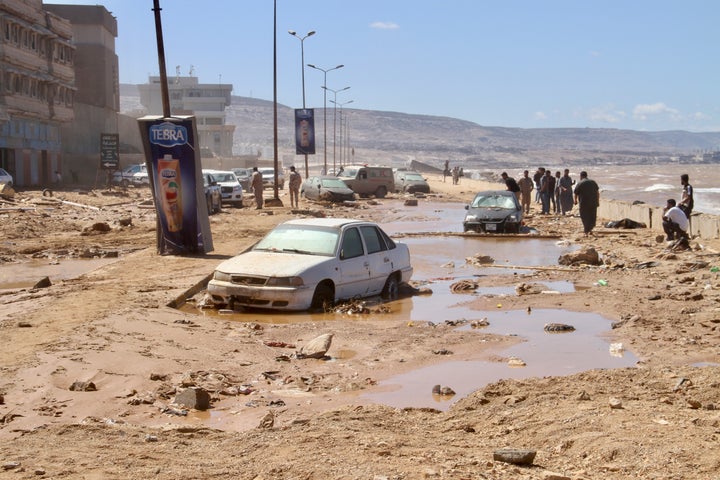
27,274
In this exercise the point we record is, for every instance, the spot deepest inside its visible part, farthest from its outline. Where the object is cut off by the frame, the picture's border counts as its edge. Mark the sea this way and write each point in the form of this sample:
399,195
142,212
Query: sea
651,184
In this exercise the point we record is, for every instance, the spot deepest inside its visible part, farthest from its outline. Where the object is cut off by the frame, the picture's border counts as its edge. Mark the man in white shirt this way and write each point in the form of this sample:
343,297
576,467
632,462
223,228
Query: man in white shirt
675,222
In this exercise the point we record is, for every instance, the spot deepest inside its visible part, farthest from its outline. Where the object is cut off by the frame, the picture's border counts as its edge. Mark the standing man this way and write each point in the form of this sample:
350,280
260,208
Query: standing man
539,174
511,184
587,195
526,185
566,192
686,200
294,186
256,183
547,191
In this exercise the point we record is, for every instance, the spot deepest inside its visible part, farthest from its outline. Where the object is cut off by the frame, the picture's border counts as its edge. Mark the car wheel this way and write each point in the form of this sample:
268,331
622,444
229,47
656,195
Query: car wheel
323,298
381,192
391,289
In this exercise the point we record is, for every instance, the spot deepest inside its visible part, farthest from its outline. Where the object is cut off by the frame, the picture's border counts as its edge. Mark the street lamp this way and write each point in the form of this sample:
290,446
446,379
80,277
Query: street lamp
339,104
335,115
302,66
324,86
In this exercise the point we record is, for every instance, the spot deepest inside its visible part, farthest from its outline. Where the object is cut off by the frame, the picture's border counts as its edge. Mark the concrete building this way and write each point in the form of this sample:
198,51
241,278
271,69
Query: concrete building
207,101
37,89
97,95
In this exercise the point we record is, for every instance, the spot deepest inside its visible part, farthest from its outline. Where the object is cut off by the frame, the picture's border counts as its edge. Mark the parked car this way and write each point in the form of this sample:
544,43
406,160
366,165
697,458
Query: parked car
408,181
268,174
5,177
244,176
232,191
366,180
213,194
326,189
132,175
494,211
313,263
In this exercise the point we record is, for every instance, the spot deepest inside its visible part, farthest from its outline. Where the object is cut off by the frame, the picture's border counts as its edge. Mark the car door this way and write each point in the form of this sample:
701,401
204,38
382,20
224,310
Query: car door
378,258
353,264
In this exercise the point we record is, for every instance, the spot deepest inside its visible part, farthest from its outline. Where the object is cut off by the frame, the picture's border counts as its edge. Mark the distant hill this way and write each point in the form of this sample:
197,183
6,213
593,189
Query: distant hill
397,138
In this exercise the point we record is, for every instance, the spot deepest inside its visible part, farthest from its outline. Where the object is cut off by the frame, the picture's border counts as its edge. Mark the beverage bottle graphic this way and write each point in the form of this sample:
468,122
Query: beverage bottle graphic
171,192
304,133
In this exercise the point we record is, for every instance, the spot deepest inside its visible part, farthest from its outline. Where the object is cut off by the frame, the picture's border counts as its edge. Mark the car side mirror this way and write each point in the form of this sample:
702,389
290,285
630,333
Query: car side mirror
467,207
319,187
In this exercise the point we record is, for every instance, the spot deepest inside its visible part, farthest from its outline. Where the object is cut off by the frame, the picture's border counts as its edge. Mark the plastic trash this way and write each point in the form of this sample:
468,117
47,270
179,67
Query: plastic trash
715,269
602,283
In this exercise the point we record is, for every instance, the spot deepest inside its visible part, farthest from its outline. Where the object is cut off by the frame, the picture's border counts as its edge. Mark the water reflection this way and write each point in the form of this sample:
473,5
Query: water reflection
544,354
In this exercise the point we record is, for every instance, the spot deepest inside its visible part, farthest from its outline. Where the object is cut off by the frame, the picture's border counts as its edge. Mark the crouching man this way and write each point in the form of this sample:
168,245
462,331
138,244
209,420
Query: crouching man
675,222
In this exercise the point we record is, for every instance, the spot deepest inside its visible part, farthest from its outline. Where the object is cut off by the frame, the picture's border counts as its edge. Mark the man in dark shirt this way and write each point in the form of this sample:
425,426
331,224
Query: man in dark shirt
587,195
511,184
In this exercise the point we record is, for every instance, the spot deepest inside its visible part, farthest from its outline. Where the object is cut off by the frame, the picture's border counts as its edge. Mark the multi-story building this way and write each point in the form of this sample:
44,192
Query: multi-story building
37,89
97,95
206,101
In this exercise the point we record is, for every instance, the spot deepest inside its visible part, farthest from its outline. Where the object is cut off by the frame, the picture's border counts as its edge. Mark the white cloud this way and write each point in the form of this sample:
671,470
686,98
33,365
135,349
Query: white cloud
644,111
701,116
385,25
540,116
606,114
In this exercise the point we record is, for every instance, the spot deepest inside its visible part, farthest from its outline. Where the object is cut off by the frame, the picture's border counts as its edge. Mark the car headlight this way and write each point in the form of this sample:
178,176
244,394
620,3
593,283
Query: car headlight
222,276
284,282
237,188
512,218
470,218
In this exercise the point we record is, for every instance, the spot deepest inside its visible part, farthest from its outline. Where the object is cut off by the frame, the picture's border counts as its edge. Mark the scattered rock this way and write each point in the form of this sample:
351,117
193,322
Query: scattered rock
528,288
480,259
558,328
585,256
43,283
584,396
196,398
464,286
96,228
24,325
615,403
317,347
267,421
694,404
516,362
483,322
516,456
83,387
411,202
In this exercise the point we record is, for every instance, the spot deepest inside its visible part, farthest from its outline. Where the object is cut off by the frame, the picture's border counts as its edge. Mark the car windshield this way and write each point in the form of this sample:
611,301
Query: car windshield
348,172
333,183
493,201
310,240
416,177
225,177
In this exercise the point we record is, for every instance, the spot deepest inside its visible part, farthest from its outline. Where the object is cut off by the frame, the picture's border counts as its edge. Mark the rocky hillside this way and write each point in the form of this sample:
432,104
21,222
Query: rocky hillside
398,138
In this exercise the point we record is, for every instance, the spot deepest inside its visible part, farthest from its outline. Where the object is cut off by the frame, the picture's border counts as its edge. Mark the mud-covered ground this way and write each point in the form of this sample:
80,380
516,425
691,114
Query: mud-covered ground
274,416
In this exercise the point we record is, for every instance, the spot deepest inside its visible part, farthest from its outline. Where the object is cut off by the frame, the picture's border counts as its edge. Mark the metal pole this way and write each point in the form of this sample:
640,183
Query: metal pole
161,60
275,112
302,66
325,89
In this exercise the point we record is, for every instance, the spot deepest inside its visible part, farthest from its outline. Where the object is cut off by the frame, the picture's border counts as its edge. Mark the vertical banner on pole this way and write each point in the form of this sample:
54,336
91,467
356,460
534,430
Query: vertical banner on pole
173,163
305,131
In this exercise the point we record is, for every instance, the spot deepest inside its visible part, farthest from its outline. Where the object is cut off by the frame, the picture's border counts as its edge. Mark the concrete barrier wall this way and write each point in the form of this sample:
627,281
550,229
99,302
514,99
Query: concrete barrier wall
702,225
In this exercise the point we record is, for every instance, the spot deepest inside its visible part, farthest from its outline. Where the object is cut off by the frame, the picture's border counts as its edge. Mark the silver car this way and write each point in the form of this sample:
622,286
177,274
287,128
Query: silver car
311,264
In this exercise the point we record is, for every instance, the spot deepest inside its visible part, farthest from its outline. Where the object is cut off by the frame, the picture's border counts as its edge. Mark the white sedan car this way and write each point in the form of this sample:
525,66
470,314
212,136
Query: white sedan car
5,177
311,264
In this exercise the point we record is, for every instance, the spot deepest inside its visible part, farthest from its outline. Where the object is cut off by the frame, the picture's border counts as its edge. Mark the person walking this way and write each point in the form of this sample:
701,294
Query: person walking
587,196
686,200
526,187
294,187
256,183
555,198
538,177
566,192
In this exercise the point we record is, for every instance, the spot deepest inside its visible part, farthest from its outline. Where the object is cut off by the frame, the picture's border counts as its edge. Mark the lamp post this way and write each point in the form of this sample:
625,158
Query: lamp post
335,92
324,86
339,104
302,66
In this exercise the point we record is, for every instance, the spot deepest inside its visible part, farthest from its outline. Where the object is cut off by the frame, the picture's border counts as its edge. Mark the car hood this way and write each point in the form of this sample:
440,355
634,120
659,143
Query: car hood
338,190
269,264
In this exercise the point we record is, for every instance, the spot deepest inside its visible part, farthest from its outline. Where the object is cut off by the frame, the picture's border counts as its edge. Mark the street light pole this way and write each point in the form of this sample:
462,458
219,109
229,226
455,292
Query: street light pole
334,117
324,86
339,104
302,66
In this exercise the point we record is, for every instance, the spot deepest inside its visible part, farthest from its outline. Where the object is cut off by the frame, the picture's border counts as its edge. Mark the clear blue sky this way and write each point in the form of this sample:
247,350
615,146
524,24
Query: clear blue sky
629,64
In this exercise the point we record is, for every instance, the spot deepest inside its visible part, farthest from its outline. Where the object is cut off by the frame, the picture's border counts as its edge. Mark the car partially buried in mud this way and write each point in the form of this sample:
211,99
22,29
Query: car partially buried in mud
493,211
311,264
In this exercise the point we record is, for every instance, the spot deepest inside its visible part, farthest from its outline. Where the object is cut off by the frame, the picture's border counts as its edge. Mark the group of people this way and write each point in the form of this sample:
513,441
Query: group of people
559,193
294,182
556,194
